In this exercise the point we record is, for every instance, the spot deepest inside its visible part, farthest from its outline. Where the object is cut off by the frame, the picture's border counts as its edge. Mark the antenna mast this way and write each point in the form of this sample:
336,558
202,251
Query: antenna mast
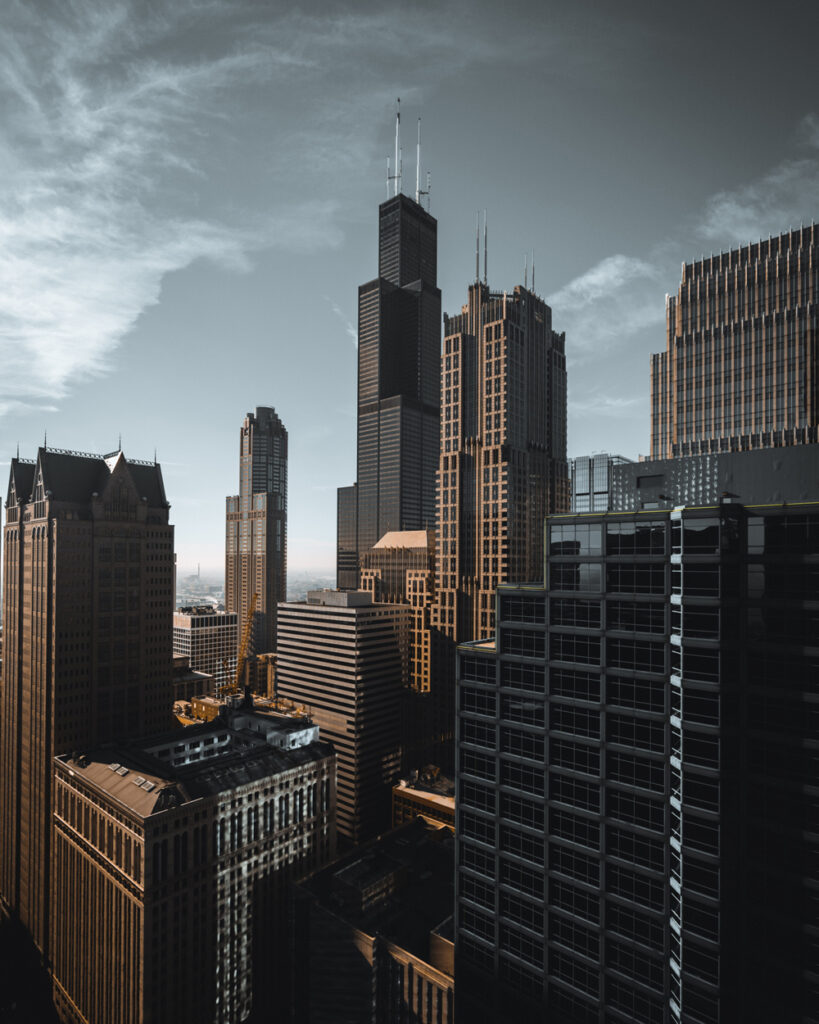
396,178
418,165
484,246
478,247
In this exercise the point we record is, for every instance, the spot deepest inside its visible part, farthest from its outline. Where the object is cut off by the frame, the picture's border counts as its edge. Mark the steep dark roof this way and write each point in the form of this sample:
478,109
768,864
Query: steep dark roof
76,477
72,477
148,482
21,474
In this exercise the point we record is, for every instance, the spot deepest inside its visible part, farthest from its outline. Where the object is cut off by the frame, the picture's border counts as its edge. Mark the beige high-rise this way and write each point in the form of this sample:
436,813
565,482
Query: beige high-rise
741,365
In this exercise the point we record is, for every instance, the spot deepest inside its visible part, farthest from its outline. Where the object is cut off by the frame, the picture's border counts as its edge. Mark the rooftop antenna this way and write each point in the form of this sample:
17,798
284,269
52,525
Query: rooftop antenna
397,175
484,246
18,449
418,165
119,441
45,439
478,246
154,454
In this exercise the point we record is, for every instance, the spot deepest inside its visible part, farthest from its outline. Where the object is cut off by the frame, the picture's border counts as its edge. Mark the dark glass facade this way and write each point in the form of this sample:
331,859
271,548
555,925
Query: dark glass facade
347,546
256,528
637,827
399,344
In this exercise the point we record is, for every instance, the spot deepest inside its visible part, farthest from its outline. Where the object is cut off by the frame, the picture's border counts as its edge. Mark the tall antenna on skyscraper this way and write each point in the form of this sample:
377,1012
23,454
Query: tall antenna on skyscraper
396,177
484,246
478,246
398,161
418,165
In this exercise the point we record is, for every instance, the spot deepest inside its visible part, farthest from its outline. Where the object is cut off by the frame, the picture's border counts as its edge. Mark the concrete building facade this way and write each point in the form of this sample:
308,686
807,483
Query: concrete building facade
171,861
345,659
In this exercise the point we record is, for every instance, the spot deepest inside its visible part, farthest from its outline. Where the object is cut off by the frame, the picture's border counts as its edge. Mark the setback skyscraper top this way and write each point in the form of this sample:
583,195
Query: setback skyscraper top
256,535
399,317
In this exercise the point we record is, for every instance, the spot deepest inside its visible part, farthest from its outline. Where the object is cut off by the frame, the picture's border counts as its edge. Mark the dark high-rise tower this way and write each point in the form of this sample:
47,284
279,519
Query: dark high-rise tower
741,366
256,535
399,343
87,599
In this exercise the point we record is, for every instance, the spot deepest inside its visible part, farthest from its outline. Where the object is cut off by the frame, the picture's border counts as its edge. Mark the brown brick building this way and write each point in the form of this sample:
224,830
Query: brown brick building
87,599
741,365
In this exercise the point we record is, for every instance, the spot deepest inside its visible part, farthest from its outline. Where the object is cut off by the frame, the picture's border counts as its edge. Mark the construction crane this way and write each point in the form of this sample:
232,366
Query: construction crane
241,656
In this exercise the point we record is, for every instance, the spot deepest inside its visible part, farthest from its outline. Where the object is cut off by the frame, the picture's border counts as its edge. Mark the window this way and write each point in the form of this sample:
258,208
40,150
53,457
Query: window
636,810
578,757
570,647
636,732
523,677
580,614
523,609
635,579
584,576
574,792
530,712
524,777
574,683
520,810
637,655
636,538
576,539
635,617
584,831
575,936
642,850
571,719
524,643
642,695
577,901
523,744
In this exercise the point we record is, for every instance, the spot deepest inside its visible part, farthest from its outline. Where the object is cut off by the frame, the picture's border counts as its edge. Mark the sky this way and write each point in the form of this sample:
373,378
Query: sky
189,194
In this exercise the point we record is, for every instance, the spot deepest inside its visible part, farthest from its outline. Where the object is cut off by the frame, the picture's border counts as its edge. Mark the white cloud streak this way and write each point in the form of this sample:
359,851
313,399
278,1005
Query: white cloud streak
349,329
97,107
602,308
786,196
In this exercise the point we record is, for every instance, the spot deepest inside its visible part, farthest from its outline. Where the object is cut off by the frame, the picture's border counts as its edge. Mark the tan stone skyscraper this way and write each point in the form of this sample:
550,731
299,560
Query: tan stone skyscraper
503,452
741,365
256,534
87,598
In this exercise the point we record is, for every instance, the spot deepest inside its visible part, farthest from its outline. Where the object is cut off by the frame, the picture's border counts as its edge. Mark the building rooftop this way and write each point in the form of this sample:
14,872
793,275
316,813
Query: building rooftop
404,539
400,885
165,771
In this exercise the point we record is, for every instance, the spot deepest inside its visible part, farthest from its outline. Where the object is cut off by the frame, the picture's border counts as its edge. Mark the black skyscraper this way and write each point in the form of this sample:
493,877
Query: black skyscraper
399,343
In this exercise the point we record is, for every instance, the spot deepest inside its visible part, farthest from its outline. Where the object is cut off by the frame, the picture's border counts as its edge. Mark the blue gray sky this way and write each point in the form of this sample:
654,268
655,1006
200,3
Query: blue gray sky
189,192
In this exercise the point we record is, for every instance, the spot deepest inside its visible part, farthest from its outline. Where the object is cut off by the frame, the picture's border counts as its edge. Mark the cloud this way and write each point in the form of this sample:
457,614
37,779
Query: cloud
786,196
609,405
349,329
102,116
602,308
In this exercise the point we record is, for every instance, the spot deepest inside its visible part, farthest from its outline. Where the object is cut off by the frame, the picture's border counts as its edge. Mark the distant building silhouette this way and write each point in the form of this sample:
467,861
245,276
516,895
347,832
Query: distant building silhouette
399,341
741,364
256,535
87,601
590,480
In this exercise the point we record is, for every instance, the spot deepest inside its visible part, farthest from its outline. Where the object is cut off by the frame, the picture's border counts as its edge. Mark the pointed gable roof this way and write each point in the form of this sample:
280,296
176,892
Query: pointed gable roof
21,481
71,477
